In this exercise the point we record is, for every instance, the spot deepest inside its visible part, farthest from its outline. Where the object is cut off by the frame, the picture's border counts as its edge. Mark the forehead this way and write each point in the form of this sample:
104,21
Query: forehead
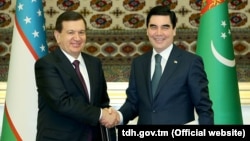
73,25
160,19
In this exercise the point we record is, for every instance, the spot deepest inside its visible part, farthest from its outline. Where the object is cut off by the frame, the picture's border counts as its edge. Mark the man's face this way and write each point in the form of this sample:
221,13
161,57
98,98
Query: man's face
72,37
160,32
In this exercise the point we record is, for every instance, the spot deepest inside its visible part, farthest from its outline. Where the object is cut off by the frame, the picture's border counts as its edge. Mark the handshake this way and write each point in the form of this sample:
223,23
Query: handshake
110,117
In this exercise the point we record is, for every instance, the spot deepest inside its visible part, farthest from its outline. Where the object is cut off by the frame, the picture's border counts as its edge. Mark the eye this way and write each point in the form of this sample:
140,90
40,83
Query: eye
165,27
82,32
71,32
153,27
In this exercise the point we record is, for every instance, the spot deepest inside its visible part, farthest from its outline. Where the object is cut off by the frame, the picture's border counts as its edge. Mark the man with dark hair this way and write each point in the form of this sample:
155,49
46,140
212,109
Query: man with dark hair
72,93
166,89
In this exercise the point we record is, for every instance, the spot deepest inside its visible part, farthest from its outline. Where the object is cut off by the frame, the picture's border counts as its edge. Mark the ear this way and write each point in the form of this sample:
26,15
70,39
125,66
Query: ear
57,35
174,31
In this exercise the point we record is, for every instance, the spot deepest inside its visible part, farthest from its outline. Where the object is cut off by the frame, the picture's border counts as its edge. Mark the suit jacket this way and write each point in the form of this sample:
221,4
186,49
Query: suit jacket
65,112
183,87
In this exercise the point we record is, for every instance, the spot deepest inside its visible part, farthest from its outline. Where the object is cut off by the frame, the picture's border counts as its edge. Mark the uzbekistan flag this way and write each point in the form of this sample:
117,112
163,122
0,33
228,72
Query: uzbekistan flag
28,45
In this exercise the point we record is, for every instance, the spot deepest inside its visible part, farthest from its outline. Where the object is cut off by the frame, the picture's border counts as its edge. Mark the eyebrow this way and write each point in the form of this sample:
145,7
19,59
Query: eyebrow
70,30
165,25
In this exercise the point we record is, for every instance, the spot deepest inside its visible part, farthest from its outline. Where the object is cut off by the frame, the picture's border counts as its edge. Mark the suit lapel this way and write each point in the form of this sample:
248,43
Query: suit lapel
68,68
90,69
146,69
172,63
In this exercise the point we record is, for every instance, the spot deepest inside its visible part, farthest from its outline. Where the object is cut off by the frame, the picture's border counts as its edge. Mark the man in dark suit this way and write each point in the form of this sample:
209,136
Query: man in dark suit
183,85
70,110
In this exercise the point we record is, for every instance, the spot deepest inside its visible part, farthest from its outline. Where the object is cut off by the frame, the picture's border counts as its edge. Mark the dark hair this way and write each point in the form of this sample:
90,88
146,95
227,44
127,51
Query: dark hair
162,10
68,16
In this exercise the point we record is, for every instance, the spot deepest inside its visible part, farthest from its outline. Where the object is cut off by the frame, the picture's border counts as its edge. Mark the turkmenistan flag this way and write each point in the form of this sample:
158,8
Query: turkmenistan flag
216,48
28,44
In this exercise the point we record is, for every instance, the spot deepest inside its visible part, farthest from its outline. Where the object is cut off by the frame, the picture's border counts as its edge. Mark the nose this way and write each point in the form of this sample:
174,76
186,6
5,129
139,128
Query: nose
77,36
159,31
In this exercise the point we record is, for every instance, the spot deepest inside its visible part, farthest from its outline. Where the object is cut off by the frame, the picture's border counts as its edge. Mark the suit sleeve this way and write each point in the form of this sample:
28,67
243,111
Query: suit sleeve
129,109
198,84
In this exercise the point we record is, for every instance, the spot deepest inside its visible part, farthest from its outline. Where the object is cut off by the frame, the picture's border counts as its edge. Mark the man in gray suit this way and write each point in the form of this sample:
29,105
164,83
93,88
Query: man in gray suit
183,85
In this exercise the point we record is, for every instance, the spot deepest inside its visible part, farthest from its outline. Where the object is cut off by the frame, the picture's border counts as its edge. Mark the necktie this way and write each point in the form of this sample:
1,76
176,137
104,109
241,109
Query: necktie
77,69
157,73
79,74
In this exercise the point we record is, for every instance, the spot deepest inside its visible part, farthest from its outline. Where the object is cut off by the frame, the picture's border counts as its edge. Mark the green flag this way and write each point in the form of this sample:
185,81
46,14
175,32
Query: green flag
215,46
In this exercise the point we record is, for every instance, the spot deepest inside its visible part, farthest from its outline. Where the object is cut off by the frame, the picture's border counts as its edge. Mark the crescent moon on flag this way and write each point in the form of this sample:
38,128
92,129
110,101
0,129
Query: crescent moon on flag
222,59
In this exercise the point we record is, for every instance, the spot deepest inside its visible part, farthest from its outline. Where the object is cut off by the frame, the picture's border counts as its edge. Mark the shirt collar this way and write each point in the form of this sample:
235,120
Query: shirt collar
165,53
72,59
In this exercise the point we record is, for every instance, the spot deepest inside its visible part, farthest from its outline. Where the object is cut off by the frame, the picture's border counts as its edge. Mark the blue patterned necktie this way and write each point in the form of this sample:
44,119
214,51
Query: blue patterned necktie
157,73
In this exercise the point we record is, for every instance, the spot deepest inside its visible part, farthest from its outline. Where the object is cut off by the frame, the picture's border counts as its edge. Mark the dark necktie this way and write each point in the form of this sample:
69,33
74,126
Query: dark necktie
157,73
79,74
77,69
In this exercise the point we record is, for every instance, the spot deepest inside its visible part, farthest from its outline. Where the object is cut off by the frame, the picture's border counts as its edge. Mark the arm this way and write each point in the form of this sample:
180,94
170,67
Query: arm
198,85
129,109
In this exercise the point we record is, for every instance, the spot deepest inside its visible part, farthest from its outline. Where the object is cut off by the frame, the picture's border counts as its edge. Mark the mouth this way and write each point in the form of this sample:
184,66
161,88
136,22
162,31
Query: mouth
76,44
158,40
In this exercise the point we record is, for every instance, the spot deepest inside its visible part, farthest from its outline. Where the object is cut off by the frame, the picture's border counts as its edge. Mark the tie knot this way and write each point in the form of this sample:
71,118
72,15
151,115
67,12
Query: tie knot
76,63
158,58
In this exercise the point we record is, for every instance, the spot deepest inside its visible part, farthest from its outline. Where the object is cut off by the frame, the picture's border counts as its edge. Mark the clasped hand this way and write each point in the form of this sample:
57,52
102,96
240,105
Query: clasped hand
110,117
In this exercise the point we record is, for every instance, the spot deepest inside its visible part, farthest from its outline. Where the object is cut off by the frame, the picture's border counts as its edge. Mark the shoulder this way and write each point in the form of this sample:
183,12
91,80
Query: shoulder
90,58
185,53
51,56
143,57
